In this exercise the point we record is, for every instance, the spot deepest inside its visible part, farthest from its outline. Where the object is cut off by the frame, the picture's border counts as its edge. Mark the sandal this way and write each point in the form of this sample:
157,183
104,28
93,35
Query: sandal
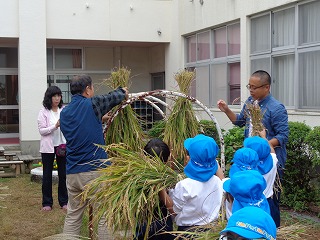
64,207
46,208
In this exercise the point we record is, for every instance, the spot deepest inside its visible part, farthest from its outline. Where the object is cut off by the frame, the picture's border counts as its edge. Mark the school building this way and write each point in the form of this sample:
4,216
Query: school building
47,42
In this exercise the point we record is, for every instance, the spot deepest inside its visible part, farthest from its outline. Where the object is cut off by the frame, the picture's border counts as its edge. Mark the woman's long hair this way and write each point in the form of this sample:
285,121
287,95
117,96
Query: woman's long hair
47,100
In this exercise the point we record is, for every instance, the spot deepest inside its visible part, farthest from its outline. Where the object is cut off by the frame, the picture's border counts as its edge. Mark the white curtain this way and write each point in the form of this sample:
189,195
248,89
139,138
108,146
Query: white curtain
202,84
309,78
283,28
219,86
309,19
282,87
260,34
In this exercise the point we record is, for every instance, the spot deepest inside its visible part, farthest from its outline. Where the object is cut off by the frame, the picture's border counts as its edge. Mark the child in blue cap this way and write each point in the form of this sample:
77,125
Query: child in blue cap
250,223
247,189
267,166
196,200
243,159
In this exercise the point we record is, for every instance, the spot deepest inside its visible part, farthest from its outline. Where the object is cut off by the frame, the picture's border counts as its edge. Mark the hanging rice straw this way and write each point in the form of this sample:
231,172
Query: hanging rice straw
126,193
182,122
125,127
256,115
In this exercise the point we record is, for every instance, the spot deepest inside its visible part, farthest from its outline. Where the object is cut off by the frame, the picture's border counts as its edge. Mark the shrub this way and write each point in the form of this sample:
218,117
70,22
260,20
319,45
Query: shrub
313,141
297,191
209,128
233,140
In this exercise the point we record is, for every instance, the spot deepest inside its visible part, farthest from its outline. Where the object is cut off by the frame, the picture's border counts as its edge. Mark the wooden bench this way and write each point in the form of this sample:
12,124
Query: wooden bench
14,165
28,160
9,155
1,151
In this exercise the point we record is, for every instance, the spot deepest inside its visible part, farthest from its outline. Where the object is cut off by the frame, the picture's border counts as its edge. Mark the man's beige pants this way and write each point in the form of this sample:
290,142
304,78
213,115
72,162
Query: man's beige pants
76,208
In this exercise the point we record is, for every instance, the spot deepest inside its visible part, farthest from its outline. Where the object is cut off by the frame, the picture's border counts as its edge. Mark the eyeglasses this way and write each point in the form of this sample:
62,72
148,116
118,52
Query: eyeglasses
250,87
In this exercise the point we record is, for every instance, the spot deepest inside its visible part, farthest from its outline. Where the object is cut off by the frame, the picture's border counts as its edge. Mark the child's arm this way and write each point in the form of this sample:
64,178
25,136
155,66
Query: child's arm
219,172
166,199
263,134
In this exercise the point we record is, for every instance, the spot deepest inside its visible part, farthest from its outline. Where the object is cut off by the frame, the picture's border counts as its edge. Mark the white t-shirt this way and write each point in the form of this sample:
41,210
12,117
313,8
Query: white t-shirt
58,137
196,203
270,177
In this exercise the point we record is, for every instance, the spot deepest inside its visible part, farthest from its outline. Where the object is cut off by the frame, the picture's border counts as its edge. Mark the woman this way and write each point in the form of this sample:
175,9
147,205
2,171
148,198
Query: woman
51,138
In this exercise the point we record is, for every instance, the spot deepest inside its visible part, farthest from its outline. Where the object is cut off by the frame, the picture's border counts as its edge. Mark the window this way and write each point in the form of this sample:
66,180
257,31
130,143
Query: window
217,75
220,42
192,49
283,29
203,46
291,55
8,57
309,18
260,34
68,58
309,73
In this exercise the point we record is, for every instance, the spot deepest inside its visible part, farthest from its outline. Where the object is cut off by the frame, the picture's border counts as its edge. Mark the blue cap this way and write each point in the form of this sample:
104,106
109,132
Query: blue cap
247,189
244,159
262,147
251,223
203,151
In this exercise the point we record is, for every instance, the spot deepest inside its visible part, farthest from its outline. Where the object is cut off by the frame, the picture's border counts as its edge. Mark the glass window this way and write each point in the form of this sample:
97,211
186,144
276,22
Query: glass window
309,73
49,59
260,64
309,18
234,83
234,39
282,87
220,42
63,82
283,28
68,58
9,90
260,34
203,46
192,49
202,84
219,82
8,57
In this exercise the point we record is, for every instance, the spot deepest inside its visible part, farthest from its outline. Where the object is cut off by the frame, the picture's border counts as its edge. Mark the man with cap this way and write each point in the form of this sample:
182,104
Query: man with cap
196,200
250,223
267,166
247,188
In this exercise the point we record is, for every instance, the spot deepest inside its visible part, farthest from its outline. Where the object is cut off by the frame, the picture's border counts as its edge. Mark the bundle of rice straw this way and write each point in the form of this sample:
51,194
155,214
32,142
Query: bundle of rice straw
125,127
256,116
182,122
126,193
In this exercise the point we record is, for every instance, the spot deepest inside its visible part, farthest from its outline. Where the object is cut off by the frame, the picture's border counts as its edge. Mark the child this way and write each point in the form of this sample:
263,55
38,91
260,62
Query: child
244,159
268,168
196,200
247,189
250,223
156,147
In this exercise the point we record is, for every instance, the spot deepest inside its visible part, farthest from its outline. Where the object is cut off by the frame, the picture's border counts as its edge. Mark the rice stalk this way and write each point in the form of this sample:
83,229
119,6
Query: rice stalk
182,122
253,110
126,192
125,127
